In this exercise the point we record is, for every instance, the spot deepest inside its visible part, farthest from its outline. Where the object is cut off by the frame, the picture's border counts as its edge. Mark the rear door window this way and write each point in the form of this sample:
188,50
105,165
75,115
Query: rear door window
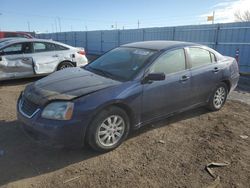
59,47
43,47
199,57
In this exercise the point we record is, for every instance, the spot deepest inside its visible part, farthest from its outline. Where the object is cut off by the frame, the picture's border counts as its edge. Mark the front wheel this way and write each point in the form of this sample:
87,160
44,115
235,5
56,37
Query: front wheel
218,98
108,130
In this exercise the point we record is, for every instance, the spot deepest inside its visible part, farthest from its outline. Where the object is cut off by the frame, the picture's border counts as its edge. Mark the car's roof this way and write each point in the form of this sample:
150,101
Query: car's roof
159,44
30,40
13,41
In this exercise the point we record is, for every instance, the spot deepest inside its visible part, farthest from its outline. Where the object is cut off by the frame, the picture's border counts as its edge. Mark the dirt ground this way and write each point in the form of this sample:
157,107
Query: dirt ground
170,153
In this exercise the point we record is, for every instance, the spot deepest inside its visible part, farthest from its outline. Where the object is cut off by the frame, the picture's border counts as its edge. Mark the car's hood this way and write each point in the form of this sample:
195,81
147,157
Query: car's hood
66,85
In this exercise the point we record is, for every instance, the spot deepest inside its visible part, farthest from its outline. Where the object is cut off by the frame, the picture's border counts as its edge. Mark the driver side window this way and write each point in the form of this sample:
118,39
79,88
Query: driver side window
13,49
170,62
16,49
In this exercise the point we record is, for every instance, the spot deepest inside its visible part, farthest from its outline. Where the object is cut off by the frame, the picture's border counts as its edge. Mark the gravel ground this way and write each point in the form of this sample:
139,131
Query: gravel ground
170,153
239,95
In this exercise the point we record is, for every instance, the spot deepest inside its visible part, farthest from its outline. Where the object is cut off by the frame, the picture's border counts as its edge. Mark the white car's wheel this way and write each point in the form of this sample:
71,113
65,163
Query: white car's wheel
64,65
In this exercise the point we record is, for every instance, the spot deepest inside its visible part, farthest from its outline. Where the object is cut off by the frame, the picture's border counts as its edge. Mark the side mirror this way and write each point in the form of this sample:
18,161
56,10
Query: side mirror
153,77
1,58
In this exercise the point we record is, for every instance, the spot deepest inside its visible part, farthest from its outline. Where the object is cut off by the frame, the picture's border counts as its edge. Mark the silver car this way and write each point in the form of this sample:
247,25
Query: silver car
33,57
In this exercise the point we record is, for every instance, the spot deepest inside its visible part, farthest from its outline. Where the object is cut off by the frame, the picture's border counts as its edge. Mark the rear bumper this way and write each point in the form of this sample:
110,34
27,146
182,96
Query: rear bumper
81,61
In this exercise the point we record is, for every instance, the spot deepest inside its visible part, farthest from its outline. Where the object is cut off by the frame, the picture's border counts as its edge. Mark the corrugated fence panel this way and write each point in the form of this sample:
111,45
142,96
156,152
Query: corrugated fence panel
61,37
54,36
46,36
203,34
164,33
94,40
80,39
225,38
109,40
236,36
70,38
131,35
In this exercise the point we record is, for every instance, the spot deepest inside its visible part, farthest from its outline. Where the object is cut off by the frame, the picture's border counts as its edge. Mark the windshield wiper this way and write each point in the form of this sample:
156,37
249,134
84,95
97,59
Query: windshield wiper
102,72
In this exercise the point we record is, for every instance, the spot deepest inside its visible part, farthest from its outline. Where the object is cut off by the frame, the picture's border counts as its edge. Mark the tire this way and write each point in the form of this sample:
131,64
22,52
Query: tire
64,65
108,129
218,98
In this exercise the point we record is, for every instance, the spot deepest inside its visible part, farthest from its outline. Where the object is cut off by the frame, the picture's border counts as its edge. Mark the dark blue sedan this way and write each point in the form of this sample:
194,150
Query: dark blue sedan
124,89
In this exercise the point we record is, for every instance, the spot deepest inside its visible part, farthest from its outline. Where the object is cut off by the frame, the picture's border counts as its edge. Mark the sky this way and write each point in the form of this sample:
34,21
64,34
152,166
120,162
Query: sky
81,15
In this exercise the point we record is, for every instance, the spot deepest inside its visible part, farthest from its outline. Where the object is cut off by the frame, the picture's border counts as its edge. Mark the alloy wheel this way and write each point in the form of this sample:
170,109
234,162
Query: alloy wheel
219,97
111,130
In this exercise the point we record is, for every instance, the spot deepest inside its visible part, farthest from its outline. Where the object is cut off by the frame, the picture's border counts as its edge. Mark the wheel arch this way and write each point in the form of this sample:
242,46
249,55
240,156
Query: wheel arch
228,84
123,106
120,104
128,110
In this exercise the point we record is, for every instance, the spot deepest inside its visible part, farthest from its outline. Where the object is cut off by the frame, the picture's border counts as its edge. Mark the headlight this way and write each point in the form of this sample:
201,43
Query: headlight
58,111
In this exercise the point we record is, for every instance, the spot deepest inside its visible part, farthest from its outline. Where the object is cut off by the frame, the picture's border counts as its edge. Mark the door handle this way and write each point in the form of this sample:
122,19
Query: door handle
25,59
55,55
184,78
216,69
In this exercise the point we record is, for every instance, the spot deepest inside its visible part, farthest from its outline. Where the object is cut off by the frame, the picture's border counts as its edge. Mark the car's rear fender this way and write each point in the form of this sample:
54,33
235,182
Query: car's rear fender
230,72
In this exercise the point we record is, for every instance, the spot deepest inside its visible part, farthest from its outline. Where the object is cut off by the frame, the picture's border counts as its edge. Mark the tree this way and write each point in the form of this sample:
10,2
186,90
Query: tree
242,16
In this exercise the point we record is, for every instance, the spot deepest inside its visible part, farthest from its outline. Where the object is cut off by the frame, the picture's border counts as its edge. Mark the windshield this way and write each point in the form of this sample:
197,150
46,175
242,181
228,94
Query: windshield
121,63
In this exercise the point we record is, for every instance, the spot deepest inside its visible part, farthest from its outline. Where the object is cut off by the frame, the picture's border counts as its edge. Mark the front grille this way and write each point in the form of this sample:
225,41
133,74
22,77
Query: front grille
28,108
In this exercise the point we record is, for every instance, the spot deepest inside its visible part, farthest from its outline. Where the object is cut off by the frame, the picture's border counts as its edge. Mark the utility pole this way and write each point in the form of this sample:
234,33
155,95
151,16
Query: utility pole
52,28
86,28
28,25
213,17
114,26
56,25
138,23
0,15
59,23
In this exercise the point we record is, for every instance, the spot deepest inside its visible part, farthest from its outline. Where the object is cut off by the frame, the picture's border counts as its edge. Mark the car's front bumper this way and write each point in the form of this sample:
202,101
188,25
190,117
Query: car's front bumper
52,132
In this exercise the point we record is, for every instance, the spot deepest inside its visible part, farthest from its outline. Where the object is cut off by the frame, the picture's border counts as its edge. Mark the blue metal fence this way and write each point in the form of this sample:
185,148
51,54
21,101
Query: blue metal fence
225,38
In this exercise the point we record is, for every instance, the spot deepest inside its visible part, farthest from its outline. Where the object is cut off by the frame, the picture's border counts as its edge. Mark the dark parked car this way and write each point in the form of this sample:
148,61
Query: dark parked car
124,89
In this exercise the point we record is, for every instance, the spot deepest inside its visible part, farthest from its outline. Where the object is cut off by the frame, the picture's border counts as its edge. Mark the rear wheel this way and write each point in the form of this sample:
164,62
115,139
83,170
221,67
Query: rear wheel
108,130
65,65
218,98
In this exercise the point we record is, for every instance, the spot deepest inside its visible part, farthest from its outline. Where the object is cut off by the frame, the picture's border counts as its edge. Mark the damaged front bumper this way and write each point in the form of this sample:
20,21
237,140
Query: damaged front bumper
55,133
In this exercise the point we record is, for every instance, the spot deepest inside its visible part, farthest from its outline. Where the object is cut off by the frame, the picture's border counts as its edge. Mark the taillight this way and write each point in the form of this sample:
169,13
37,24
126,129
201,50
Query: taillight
82,52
